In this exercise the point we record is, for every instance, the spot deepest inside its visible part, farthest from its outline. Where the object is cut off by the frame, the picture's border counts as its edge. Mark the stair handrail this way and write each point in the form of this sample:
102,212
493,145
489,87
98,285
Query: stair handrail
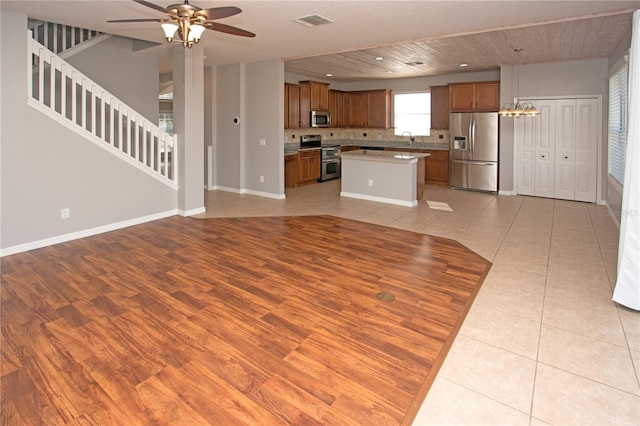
58,89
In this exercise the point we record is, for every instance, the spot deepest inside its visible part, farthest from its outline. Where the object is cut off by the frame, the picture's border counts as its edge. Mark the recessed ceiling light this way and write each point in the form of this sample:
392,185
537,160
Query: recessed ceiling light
389,72
329,75
464,65
379,58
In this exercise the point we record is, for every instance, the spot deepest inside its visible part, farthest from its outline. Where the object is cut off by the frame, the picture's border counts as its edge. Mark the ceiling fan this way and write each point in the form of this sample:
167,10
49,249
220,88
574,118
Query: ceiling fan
189,21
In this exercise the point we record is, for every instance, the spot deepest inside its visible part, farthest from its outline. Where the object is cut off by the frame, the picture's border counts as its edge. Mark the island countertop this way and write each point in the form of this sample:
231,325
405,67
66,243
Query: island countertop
387,156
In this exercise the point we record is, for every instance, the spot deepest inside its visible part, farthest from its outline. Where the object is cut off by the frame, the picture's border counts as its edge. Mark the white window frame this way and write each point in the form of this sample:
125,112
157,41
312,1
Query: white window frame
398,119
618,120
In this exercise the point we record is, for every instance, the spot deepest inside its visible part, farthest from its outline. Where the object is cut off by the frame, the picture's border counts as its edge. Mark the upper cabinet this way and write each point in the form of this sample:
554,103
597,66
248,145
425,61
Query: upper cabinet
319,93
369,109
470,97
379,109
338,108
305,105
291,106
439,107
364,109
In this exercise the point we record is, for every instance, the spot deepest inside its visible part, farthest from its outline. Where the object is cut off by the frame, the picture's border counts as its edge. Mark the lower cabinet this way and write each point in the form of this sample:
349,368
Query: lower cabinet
436,166
302,168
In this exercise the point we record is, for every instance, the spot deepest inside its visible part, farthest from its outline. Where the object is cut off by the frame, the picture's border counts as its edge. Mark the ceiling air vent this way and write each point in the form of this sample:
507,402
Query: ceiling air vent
313,20
414,63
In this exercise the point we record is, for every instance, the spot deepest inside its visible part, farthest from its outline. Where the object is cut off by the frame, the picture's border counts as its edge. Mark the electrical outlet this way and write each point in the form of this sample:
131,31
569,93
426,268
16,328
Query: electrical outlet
261,179
370,183
65,213
263,142
379,137
440,136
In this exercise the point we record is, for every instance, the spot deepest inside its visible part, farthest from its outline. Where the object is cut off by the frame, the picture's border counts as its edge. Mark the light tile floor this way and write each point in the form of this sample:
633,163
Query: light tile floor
543,343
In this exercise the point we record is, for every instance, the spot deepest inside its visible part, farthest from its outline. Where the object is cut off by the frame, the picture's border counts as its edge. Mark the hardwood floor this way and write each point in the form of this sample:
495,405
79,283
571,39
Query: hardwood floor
270,320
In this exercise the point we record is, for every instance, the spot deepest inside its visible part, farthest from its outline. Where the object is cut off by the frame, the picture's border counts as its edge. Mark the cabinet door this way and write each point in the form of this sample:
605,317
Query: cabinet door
461,97
291,170
440,107
357,113
305,106
487,96
437,166
314,167
379,109
336,108
293,106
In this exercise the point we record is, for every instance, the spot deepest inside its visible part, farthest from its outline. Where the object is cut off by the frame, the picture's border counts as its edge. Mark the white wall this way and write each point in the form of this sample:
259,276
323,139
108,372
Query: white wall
45,167
132,77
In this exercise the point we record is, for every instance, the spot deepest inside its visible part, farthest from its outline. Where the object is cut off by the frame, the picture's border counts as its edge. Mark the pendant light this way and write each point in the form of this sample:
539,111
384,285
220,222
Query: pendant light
517,108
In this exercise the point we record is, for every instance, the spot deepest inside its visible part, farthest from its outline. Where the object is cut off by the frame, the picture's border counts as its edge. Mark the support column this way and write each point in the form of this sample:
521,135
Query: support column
188,120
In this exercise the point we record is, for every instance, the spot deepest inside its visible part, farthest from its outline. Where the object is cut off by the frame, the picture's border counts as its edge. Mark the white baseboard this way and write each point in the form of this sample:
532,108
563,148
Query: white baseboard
263,194
509,193
192,212
84,233
250,192
379,199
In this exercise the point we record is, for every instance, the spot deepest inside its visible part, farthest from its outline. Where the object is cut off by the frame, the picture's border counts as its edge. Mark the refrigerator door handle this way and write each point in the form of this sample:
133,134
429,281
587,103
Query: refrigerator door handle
477,163
473,138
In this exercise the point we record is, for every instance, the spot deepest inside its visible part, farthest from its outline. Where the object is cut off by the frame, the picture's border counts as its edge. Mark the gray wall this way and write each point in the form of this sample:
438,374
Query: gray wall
264,99
132,77
555,79
45,167
229,162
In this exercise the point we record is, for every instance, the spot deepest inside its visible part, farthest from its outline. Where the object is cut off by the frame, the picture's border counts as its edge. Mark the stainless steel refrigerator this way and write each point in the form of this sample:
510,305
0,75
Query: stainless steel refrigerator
473,151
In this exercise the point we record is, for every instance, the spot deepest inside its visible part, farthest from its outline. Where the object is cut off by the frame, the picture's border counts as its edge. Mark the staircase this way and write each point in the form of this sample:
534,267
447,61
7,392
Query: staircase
65,94
60,38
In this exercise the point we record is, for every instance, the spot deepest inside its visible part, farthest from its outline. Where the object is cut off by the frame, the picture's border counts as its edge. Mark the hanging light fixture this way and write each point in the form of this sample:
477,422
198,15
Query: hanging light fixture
517,108
189,30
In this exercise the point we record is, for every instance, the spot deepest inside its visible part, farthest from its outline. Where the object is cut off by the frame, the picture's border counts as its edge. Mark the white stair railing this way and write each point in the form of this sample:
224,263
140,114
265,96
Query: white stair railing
58,37
68,96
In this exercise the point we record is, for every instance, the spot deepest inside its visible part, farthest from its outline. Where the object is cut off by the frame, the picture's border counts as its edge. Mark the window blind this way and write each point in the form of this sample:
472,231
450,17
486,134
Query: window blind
618,94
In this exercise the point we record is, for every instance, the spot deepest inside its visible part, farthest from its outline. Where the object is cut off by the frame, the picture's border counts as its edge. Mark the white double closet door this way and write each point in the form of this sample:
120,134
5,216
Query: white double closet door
557,151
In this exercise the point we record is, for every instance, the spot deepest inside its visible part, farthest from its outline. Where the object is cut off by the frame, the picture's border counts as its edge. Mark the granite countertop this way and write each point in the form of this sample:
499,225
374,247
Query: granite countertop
377,155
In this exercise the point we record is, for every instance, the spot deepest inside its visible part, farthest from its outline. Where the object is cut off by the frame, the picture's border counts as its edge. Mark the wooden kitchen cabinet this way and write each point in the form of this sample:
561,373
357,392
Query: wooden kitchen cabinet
436,166
338,108
471,97
379,109
305,106
369,109
439,107
291,106
291,170
308,166
301,168
319,95
357,109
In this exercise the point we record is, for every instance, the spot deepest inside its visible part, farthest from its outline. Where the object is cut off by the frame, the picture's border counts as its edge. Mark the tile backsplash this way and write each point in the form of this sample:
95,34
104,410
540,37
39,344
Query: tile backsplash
329,134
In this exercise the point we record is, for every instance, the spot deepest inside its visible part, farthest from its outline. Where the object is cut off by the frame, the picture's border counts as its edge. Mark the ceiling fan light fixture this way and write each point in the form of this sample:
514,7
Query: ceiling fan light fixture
195,32
169,29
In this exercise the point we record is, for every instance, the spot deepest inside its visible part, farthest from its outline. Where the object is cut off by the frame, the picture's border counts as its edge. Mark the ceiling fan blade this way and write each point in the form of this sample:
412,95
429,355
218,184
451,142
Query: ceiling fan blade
228,29
137,20
219,12
151,5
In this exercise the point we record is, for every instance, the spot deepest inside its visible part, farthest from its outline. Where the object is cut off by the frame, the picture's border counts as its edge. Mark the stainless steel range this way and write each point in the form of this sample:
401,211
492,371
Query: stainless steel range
329,157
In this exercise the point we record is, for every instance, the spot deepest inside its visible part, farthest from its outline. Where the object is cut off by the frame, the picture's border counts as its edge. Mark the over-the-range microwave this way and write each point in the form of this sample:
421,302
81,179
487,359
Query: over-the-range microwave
320,119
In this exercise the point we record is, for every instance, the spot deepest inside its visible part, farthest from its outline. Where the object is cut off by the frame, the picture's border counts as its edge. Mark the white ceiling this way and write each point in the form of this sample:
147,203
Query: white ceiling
441,34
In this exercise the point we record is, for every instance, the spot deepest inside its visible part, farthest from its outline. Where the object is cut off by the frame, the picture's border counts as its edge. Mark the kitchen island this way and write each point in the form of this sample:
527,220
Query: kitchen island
384,176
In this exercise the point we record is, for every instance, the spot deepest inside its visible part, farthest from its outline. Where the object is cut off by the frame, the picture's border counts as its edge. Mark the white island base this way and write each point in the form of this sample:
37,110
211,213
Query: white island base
383,176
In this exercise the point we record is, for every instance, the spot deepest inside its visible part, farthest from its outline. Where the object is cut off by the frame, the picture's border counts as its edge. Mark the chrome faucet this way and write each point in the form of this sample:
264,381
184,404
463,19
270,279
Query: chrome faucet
411,138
